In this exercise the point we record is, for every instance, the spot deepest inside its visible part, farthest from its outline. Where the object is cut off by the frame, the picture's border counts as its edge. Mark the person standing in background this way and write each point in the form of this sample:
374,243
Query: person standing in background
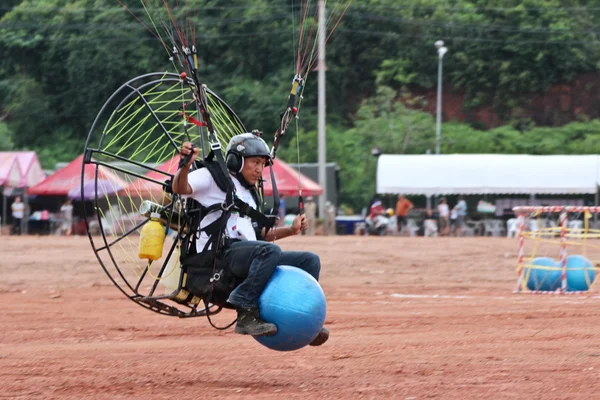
444,214
453,216
18,211
461,213
430,228
67,218
310,210
329,218
403,207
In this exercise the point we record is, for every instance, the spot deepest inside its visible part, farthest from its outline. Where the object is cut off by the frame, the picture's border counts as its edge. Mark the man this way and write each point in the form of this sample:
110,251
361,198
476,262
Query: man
67,218
249,256
430,228
374,219
18,211
453,216
461,213
403,207
376,209
330,213
444,214
310,211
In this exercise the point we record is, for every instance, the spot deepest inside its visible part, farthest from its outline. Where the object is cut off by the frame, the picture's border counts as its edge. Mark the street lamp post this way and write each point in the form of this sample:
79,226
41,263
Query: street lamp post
438,123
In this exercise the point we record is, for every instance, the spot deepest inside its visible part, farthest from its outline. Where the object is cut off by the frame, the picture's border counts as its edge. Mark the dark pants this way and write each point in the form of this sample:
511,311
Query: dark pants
16,227
255,261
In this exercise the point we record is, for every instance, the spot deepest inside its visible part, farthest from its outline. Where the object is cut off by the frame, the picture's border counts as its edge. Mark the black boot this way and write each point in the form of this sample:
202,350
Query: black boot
250,323
321,337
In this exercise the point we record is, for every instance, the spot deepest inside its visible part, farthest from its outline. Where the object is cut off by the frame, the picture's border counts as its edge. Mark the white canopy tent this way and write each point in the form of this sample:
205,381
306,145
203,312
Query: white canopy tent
470,174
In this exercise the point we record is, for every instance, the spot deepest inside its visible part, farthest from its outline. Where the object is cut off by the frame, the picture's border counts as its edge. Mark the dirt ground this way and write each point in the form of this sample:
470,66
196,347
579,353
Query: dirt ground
410,318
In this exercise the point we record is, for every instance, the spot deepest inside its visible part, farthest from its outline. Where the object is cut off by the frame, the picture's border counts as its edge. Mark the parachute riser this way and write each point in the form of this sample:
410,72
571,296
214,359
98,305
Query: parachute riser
290,112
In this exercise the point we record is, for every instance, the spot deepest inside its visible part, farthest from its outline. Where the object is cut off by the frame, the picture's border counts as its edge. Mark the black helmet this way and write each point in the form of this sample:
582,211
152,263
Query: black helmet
245,145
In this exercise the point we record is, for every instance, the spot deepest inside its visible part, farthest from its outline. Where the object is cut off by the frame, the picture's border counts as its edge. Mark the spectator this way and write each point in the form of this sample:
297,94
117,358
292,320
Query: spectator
329,218
430,227
377,220
403,207
461,213
310,210
453,216
18,212
67,218
444,213
376,208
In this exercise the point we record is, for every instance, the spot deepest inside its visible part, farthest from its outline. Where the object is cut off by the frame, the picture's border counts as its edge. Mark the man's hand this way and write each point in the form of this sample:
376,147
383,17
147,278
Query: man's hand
188,148
299,224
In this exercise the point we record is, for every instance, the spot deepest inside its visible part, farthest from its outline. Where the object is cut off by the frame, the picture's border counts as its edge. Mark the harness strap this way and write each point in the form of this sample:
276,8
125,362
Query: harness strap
216,165
276,202
220,174
267,221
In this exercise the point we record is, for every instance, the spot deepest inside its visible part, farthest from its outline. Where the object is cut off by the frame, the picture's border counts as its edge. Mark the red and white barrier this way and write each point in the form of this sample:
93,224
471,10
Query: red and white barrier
563,219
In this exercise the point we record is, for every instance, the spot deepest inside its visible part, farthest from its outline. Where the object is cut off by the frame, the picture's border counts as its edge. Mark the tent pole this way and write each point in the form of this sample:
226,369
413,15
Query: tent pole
25,220
4,206
596,200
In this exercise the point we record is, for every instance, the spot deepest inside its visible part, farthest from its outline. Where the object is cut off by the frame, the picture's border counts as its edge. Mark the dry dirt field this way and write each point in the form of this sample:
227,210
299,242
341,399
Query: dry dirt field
410,318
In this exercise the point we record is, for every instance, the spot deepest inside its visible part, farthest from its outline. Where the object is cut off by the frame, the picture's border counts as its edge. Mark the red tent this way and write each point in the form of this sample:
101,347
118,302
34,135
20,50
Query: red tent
69,177
288,179
144,188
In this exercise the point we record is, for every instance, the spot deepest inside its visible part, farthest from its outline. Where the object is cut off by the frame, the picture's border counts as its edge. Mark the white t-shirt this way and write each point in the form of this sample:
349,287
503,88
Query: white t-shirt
206,192
443,210
18,210
67,212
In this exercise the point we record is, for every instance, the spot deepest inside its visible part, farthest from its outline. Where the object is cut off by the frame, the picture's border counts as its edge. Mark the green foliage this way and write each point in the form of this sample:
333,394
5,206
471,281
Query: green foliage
499,52
64,149
6,138
381,122
58,72
573,138
28,110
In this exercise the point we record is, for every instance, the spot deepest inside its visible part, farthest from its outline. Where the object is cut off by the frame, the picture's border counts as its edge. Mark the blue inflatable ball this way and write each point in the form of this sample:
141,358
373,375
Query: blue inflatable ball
580,273
542,278
294,301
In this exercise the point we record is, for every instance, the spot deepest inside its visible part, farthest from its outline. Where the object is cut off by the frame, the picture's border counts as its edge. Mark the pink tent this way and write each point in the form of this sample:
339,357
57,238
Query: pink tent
288,179
10,175
30,170
69,177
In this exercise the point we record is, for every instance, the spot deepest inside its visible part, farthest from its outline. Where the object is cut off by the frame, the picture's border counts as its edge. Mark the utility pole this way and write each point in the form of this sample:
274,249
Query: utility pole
438,120
438,117
321,94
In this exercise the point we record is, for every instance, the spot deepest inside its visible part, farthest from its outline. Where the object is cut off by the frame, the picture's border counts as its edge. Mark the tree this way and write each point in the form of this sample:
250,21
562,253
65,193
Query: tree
499,54
6,137
382,122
